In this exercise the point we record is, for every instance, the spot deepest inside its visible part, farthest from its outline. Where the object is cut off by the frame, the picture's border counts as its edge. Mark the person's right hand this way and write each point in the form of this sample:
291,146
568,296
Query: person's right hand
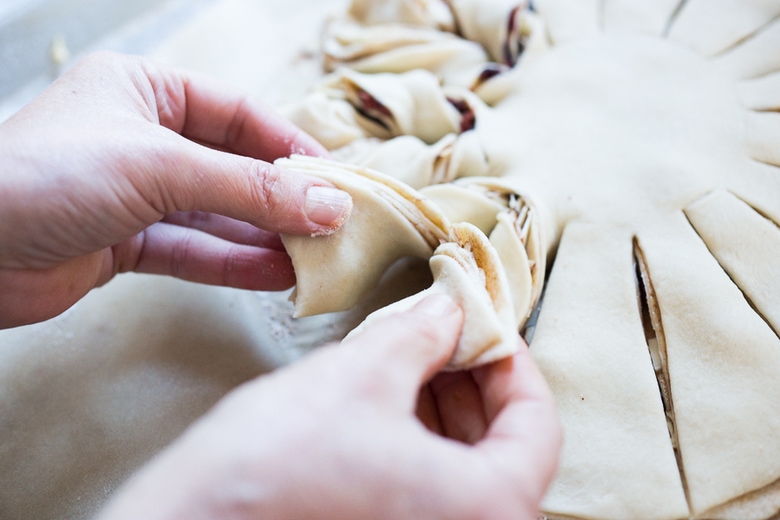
335,435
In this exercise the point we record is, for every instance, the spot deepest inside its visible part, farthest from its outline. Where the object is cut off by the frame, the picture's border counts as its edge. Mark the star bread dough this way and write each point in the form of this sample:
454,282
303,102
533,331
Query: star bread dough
646,138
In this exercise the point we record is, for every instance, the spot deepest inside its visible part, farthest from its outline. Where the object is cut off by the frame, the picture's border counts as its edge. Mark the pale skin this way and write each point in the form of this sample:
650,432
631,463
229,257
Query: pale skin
124,165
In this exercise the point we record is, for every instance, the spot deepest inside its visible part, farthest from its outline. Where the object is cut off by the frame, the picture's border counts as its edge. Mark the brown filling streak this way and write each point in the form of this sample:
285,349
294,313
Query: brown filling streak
656,344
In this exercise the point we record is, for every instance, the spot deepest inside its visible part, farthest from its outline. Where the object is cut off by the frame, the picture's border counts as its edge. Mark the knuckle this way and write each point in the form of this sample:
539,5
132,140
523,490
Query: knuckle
265,183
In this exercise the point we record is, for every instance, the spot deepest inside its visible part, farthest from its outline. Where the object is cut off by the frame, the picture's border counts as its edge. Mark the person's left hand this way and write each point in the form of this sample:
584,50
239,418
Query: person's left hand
124,165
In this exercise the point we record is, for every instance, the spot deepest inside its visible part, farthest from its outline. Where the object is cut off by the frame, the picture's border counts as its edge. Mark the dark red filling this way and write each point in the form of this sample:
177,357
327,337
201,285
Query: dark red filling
511,55
467,117
491,70
371,105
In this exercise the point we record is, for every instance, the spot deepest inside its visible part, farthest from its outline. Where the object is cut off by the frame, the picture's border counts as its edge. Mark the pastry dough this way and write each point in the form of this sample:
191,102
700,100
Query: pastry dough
612,132
335,272
761,93
348,41
333,122
617,459
570,20
390,105
468,269
722,363
507,29
757,56
428,13
513,228
747,246
712,27
411,161
638,16
400,48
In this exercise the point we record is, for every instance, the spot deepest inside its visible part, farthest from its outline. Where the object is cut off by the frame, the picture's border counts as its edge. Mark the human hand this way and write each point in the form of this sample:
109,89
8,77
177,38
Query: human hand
124,165
335,435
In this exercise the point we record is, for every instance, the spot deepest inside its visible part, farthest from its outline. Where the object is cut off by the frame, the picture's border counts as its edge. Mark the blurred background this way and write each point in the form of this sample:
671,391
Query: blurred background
267,48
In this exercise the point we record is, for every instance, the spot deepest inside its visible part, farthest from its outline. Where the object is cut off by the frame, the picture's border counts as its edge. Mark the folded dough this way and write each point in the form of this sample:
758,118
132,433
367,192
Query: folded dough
390,105
507,29
389,221
330,121
428,13
468,269
511,221
347,41
412,161
401,48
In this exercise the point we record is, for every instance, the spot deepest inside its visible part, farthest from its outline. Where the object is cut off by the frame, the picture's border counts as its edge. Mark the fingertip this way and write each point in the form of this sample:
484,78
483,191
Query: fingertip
327,208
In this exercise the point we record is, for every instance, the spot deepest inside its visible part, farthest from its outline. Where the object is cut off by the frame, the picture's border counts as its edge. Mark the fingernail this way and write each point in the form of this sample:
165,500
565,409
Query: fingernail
328,207
438,305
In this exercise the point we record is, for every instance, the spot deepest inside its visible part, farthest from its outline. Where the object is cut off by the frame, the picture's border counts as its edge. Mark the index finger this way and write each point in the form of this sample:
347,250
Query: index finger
204,110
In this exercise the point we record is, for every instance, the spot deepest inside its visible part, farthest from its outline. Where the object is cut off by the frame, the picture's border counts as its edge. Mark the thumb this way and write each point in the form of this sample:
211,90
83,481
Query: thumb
408,348
197,178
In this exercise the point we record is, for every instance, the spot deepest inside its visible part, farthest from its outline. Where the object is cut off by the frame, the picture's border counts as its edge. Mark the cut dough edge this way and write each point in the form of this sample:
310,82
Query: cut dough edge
759,185
761,94
755,56
763,137
746,245
586,352
714,27
570,19
706,387
638,16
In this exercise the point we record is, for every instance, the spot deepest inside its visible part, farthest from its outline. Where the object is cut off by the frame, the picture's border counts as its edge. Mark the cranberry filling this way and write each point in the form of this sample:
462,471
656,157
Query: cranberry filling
467,117
510,58
371,105
491,70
